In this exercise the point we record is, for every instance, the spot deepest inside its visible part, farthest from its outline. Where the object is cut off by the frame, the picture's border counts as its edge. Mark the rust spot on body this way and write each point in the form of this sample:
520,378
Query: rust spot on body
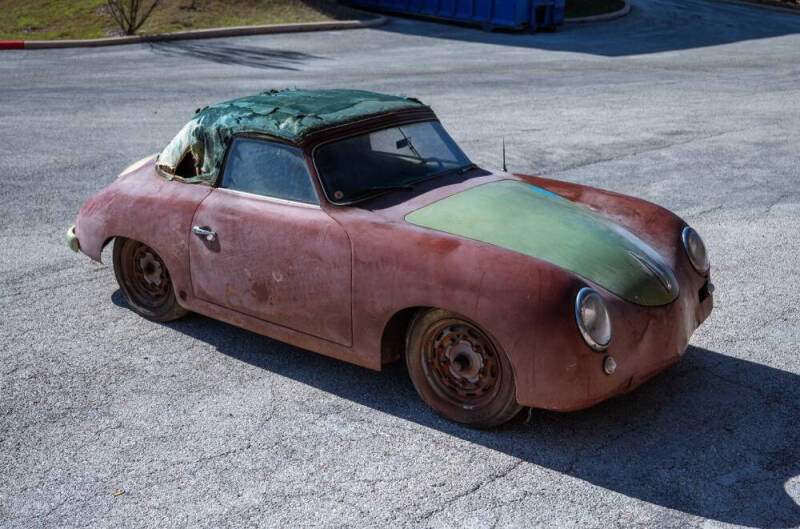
261,291
441,244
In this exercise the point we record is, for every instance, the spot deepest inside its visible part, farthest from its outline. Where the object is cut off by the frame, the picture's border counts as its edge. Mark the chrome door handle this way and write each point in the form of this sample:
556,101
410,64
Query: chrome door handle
209,235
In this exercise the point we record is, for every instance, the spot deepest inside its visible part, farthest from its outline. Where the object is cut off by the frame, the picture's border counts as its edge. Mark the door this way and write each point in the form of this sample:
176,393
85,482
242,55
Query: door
262,246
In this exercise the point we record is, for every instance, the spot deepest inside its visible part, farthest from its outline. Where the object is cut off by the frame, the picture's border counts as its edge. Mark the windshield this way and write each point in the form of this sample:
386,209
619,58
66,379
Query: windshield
366,165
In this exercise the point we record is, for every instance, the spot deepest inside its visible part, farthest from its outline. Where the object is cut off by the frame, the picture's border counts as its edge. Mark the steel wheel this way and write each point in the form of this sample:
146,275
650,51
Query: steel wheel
144,280
459,371
461,363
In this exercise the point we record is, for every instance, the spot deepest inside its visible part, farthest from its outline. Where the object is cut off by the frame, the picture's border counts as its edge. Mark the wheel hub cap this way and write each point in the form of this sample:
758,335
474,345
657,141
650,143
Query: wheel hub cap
151,269
465,363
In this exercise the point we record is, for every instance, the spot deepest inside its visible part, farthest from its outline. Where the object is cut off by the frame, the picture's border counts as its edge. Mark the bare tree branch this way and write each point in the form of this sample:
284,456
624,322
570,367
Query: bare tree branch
128,14
116,15
146,15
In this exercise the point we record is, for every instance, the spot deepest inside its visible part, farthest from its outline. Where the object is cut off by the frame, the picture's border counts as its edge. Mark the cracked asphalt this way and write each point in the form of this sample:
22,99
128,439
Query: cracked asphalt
109,420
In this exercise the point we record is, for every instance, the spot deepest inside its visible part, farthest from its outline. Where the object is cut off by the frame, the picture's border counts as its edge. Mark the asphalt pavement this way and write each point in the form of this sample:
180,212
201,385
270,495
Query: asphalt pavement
110,420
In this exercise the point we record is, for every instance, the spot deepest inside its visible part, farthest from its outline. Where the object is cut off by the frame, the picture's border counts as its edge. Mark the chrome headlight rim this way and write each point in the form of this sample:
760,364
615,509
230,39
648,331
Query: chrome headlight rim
701,268
593,343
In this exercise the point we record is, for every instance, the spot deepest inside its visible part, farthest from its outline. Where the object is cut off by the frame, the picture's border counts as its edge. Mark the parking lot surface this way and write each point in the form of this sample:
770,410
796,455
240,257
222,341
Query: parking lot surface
110,420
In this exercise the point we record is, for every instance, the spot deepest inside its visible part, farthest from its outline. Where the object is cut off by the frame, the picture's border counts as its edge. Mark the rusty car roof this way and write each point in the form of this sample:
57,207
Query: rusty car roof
287,114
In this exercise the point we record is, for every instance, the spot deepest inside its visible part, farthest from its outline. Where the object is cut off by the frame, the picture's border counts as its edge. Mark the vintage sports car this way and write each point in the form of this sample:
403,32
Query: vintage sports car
350,223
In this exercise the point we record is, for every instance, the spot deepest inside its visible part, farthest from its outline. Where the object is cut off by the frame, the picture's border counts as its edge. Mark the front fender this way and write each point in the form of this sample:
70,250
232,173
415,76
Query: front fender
659,227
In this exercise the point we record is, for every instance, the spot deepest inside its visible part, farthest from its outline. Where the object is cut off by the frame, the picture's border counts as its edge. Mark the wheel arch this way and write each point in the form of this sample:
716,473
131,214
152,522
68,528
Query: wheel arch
393,337
105,244
395,332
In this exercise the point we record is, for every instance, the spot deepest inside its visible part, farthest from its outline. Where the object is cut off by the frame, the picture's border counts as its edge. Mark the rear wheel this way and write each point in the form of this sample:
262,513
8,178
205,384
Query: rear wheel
459,371
144,280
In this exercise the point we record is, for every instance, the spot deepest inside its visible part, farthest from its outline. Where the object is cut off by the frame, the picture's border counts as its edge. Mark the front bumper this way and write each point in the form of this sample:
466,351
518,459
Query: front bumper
72,240
650,340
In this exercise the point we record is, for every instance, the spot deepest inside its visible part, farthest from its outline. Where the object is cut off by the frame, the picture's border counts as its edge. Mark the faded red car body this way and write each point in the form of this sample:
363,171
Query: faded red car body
345,281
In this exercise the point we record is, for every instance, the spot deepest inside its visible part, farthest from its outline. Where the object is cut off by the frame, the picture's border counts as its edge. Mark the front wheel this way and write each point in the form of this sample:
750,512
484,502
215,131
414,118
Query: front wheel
144,280
459,371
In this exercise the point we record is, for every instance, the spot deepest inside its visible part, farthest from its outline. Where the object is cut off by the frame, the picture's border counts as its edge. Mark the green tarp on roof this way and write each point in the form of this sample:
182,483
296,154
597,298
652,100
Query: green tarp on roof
287,114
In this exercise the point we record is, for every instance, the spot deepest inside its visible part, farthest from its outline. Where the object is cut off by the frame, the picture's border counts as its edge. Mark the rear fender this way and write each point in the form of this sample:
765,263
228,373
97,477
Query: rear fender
144,206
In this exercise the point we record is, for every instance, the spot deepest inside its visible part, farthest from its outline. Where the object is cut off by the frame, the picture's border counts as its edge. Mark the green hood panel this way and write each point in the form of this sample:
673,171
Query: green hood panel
526,219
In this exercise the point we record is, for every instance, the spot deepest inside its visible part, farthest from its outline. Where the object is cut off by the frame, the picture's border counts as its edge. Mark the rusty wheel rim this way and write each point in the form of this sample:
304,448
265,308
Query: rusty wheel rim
146,276
461,363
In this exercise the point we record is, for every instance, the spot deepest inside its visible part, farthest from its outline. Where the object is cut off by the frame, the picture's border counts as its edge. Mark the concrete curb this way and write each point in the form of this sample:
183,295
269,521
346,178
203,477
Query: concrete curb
195,34
601,18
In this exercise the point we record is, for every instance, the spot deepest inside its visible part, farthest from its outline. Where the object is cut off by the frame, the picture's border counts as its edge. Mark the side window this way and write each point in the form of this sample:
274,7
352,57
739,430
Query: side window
270,169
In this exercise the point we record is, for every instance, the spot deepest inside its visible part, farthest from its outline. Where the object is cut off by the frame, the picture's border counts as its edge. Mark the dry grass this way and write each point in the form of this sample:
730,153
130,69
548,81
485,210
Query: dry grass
80,19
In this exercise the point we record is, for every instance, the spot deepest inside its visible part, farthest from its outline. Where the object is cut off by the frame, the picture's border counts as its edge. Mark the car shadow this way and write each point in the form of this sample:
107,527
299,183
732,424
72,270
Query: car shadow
713,436
652,26
227,53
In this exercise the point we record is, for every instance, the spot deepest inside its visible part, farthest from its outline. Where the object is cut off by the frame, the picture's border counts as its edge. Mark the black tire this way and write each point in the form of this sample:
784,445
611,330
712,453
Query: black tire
459,370
145,282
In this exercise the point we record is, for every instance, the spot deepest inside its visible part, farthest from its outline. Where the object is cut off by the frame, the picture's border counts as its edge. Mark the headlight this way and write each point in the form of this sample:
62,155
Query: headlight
695,250
593,320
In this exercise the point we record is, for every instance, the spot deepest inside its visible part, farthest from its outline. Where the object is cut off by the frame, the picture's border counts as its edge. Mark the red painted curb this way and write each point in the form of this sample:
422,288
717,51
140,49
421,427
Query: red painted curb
12,44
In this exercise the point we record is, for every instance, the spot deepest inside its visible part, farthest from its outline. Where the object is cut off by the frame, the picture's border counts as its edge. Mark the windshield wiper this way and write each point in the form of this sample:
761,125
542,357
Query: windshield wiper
376,189
460,170
468,167
410,186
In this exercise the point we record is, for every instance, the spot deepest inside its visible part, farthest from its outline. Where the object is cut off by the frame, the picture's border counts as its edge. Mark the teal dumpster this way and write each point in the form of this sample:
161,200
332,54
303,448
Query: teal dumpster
523,15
